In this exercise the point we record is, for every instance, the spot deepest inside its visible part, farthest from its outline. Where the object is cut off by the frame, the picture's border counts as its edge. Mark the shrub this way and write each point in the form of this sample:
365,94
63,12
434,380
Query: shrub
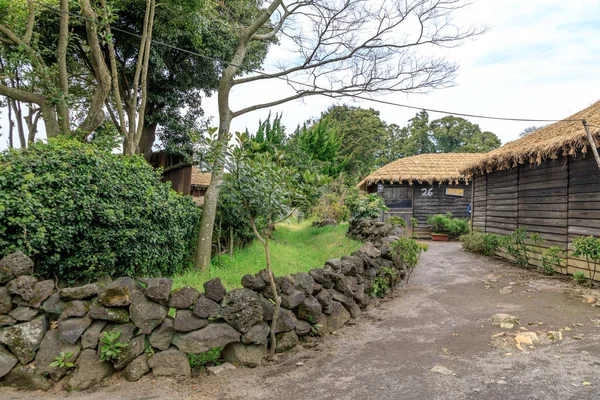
384,281
579,277
406,251
363,205
82,212
551,259
444,223
588,248
479,243
397,221
513,246
330,207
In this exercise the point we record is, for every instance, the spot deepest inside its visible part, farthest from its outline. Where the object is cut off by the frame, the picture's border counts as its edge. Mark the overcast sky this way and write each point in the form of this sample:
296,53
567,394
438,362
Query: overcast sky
539,60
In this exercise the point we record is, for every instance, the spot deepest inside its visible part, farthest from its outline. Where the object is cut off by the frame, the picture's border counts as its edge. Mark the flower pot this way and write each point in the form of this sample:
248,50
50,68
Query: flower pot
439,237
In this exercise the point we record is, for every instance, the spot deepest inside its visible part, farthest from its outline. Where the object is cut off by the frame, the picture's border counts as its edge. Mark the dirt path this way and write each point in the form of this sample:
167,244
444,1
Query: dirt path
441,319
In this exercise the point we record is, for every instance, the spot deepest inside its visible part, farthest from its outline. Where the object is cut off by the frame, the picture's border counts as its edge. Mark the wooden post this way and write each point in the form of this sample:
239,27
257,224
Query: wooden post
592,142
472,201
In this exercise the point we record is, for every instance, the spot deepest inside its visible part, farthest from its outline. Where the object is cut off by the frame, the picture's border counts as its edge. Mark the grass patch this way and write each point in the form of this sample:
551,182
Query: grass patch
294,248
208,358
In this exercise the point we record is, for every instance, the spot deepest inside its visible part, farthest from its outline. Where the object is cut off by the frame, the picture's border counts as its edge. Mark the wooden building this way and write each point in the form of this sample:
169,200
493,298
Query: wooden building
198,185
547,182
423,185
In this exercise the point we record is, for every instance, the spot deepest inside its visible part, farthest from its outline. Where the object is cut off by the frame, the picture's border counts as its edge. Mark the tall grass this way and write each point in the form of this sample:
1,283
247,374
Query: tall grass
294,248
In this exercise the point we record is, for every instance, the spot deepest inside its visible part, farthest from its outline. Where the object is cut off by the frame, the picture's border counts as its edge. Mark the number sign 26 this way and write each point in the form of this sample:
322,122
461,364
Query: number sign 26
427,192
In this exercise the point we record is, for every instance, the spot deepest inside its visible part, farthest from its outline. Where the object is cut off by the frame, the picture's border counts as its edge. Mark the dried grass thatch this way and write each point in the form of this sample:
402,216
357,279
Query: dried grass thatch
200,179
429,168
567,137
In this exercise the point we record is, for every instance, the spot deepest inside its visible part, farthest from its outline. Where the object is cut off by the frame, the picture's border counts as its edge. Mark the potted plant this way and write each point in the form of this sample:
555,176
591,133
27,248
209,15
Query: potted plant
440,227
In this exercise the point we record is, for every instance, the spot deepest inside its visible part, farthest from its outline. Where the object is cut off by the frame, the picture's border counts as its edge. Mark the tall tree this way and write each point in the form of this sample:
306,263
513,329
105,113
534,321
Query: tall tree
394,144
343,48
457,135
419,139
529,130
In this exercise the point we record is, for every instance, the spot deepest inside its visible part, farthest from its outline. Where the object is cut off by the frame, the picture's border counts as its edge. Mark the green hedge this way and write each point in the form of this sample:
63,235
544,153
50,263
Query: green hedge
81,212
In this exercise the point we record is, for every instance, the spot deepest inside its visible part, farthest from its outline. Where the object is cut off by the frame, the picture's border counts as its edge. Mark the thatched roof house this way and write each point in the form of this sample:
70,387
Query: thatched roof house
199,183
567,137
423,185
546,182
423,168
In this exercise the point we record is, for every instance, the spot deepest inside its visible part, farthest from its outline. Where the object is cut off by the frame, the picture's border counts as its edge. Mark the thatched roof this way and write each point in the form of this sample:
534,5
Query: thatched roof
567,137
435,167
200,179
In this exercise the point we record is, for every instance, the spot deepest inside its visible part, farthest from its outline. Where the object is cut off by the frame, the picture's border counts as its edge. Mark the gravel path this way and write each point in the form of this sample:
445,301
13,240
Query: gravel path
441,321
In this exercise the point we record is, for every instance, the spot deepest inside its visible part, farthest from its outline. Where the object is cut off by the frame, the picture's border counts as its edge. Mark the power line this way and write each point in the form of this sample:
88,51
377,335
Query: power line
263,73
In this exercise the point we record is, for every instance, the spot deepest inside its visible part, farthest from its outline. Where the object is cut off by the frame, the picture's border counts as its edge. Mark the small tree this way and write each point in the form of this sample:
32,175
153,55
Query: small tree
588,248
268,193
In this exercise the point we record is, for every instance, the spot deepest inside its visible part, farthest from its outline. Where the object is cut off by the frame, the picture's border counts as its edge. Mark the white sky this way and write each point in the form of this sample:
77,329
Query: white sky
539,60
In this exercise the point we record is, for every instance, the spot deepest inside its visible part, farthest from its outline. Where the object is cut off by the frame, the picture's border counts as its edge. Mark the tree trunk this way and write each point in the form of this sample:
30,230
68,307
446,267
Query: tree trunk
11,126
231,241
16,106
147,140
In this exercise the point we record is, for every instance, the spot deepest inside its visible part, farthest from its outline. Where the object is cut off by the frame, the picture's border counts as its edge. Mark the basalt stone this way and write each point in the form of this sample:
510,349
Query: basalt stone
317,287
345,300
304,282
286,341
324,298
286,283
7,361
310,309
91,336
41,291
342,286
134,348
158,289
19,302
136,369
53,306
214,289
322,277
23,313
258,334
71,329
81,292
7,320
172,363
127,282
50,348
98,311
253,282
22,286
24,339
186,321
145,313
183,297
292,300
90,370
75,308
360,295
268,308
369,250
302,328
264,275
244,355
162,336
286,321
206,308
5,301
338,317
26,377
352,265
201,340
335,264
15,265
241,308
115,296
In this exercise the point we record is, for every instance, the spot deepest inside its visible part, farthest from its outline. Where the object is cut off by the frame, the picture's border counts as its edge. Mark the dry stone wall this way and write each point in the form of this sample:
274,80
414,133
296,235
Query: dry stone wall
39,322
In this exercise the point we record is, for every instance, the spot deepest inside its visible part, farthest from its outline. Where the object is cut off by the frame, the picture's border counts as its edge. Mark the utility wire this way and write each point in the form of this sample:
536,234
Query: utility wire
287,80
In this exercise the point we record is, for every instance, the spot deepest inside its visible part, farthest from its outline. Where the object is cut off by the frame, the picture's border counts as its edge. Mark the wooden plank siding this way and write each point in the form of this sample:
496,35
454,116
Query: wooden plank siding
432,199
559,200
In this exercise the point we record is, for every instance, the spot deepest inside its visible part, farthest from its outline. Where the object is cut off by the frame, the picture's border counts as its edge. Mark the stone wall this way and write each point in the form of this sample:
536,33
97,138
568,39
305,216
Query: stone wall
38,322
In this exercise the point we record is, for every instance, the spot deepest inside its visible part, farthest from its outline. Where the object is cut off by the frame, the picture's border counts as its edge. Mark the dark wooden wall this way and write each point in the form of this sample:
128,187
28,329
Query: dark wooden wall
439,202
180,178
560,200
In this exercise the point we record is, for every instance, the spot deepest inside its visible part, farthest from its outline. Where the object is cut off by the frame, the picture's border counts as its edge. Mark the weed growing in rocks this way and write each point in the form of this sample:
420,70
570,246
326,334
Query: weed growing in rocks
111,347
62,361
407,252
210,357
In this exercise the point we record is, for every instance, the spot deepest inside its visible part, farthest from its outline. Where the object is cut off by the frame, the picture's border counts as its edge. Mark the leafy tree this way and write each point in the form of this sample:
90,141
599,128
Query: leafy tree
267,193
269,137
334,60
394,145
322,142
529,130
457,135
419,139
